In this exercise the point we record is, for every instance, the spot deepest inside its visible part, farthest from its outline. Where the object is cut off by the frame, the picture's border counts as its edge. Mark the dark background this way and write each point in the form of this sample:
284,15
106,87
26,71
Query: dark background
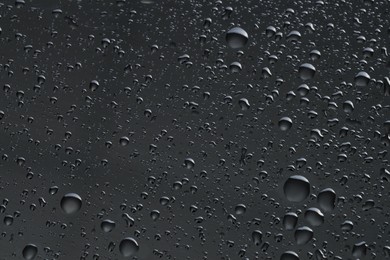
68,49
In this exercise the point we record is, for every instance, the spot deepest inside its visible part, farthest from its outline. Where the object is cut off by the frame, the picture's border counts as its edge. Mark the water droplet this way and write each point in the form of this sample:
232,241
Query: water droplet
290,220
257,237
289,255
189,163
71,203
359,250
107,225
244,104
306,71
124,140
235,67
30,251
240,209
128,247
296,188
285,123
303,235
314,216
236,38
326,199
362,79
93,85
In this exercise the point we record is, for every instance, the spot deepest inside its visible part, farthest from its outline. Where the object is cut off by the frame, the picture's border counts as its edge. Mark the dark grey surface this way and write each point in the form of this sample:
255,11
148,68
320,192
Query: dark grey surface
223,139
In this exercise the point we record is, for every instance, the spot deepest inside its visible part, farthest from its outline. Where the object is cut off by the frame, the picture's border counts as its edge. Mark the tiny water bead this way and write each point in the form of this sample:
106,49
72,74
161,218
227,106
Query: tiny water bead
128,247
30,251
236,38
296,188
71,203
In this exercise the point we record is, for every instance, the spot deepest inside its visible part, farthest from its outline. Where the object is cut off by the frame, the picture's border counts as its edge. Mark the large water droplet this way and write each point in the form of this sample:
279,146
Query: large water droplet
306,71
236,38
107,225
71,203
290,220
289,255
314,216
128,247
303,235
93,85
296,188
362,79
30,251
285,123
326,199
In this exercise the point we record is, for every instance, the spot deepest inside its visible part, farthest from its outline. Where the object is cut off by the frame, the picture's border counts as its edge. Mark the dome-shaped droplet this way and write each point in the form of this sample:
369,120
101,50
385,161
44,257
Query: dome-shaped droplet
314,216
93,85
124,140
235,67
30,251
293,36
306,71
303,235
270,31
347,225
257,236
128,247
348,106
327,199
362,79
359,250
289,255
290,220
285,123
296,188
107,225
240,209
71,203
236,38
189,163
8,220
155,214
315,55
244,104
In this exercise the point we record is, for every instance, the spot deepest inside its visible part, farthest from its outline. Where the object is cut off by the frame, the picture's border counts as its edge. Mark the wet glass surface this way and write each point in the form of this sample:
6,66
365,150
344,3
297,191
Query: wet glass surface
181,129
